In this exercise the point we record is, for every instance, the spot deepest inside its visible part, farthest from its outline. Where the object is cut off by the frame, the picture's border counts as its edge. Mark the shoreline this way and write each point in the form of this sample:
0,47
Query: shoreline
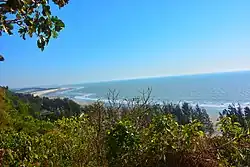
83,103
45,92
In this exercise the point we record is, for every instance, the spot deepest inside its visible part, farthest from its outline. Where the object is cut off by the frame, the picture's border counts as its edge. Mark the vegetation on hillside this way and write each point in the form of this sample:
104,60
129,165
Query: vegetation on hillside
38,131
44,108
238,114
110,135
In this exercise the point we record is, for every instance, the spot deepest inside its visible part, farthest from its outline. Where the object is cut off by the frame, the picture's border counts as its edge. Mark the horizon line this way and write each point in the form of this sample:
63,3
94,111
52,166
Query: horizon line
163,76
137,78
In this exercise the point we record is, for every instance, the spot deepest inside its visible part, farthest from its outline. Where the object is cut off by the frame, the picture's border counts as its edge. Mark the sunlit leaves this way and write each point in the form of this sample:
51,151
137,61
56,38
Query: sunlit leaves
46,10
61,3
32,18
93,140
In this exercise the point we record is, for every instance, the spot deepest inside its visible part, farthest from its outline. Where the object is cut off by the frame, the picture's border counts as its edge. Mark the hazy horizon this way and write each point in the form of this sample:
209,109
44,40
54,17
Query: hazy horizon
129,79
213,91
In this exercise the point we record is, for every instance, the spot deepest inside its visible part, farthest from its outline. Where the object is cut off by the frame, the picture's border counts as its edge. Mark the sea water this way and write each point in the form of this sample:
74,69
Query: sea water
211,91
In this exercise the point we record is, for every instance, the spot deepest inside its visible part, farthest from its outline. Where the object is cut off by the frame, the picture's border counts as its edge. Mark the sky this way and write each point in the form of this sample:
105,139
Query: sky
109,40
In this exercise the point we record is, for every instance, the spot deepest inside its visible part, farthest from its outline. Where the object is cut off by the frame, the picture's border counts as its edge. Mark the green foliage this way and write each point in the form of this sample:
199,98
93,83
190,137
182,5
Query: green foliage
31,17
1,58
164,141
185,114
235,149
44,108
142,135
238,114
122,142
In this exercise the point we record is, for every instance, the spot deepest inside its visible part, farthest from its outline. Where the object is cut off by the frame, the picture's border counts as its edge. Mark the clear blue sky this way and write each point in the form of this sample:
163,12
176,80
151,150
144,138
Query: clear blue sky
120,39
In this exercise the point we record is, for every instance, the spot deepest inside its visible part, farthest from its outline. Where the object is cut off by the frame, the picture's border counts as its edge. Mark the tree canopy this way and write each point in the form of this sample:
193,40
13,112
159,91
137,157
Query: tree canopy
32,18
105,135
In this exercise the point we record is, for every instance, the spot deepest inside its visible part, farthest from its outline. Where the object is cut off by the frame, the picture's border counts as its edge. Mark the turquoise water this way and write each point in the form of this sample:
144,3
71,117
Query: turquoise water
212,91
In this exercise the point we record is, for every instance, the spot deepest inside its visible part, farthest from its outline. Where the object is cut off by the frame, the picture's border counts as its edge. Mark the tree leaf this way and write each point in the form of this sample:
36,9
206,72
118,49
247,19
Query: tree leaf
1,58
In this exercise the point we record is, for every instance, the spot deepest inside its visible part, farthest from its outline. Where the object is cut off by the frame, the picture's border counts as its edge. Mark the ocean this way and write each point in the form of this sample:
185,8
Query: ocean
213,92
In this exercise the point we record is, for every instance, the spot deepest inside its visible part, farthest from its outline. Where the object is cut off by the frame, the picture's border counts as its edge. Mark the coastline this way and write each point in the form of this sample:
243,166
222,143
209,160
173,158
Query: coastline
45,92
42,93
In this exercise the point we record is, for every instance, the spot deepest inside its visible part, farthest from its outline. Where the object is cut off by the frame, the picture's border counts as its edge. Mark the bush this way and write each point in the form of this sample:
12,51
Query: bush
141,135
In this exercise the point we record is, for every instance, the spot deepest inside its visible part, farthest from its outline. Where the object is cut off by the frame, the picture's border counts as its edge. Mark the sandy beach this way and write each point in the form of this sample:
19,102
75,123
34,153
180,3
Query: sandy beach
213,118
44,92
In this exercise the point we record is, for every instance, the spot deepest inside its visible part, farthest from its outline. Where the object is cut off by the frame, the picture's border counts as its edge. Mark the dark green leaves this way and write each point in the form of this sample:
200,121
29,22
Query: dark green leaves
54,34
8,28
22,31
41,43
59,25
1,58
31,17
46,10
61,3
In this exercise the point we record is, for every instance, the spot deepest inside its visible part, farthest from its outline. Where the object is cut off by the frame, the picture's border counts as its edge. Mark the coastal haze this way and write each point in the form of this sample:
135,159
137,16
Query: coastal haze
214,92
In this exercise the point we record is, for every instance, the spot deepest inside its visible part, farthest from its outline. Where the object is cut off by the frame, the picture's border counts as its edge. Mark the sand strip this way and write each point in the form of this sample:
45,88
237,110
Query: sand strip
44,92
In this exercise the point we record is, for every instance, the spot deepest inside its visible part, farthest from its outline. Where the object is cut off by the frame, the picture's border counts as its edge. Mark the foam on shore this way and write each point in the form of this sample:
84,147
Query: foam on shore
45,92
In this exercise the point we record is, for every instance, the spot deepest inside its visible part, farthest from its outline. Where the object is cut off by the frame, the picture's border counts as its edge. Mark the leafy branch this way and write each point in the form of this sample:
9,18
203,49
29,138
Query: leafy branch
31,17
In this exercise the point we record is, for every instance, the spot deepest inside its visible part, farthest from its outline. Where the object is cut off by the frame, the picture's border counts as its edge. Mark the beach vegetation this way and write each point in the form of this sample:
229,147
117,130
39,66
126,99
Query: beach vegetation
110,135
